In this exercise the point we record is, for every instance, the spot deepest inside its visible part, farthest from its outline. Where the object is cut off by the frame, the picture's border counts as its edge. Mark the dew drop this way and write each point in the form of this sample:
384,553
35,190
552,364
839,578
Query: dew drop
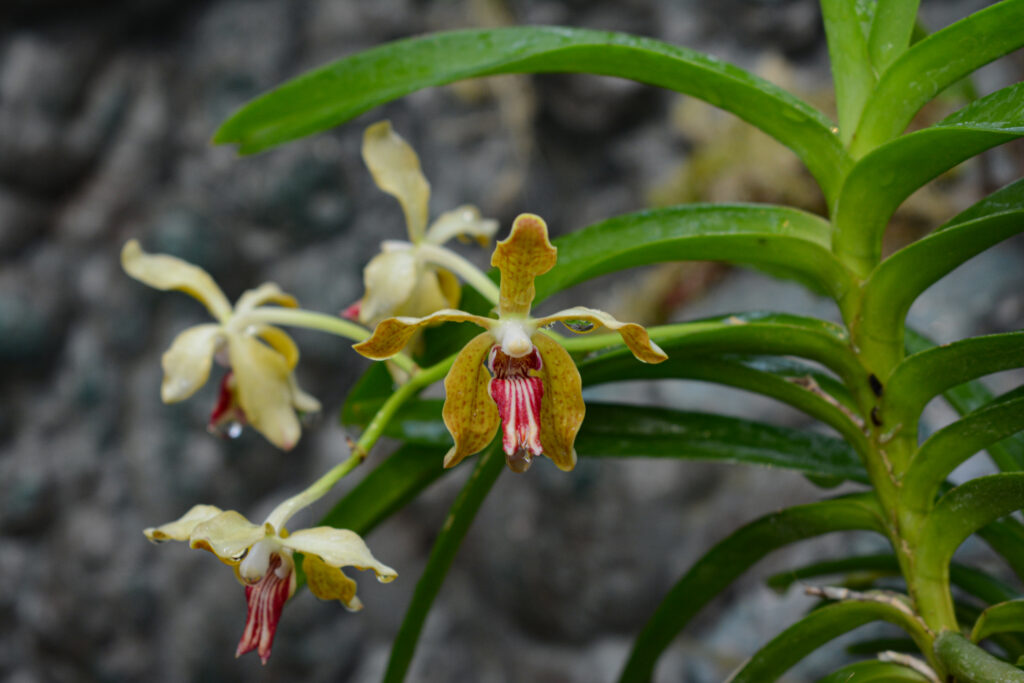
231,429
519,461
579,325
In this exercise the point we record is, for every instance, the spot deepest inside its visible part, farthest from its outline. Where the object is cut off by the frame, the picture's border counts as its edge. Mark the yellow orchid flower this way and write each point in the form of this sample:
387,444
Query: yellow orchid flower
262,557
415,277
260,388
513,373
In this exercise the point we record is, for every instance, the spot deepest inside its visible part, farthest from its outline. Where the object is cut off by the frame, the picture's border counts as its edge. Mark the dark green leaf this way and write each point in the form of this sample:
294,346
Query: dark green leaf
874,672
851,65
1006,537
876,645
373,388
1001,618
489,464
731,558
879,182
1009,199
970,664
341,90
788,241
932,65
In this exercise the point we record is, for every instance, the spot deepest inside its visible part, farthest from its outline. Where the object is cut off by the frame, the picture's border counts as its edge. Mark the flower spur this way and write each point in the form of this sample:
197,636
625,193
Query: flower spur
514,374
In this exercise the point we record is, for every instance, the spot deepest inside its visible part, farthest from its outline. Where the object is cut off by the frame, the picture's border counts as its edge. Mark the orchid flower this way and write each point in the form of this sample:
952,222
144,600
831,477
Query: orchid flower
514,373
414,277
260,388
262,557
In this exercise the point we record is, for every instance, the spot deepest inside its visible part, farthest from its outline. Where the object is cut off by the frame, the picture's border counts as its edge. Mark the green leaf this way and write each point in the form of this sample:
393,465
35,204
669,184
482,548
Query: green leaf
1002,618
874,672
932,65
489,465
970,664
926,374
876,645
851,65
373,388
1008,199
891,29
878,183
955,443
1006,537
786,241
334,93
732,557
1008,454
818,628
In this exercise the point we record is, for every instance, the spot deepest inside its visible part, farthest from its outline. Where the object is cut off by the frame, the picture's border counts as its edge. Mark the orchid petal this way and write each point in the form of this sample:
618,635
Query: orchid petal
169,272
188,361
635,336
301,401
392,334
562,408
181,528
330,583
267,293
280,341
426,297
264,389
521,257
228,535
463,222
469,412
338,548
451,289
396,170
388,280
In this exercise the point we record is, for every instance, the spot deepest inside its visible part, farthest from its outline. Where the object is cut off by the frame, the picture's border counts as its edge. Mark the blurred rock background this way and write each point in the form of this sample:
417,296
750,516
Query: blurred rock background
106,111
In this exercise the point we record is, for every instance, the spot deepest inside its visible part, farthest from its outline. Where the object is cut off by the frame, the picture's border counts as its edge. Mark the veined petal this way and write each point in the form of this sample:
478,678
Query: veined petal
188,360
181,528
281,342
518,393
330,583
464,222
264,389
562,410
169,272
338,548
388,280
521,257
635,336
392,334
396,170
267,293
228,535
265,601
469,412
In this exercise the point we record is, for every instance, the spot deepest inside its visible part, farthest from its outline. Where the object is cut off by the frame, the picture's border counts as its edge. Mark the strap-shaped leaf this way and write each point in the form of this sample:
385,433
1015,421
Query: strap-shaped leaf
1008,199
932,65
924,375
970,664
489,465
851,65
343,89
953,444
821,626
786,241
731,558
879,182
891,29
874,672
1001,618
1006,537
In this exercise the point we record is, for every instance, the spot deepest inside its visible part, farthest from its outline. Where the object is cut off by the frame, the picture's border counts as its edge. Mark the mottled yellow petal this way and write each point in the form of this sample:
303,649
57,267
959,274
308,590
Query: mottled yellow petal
393,334
330,583
469,412
396,170
338,548
281,342
388,280
187,362
521,257
635,336
464,222
264,389
169,272
561,408
267,293
228,535
181,528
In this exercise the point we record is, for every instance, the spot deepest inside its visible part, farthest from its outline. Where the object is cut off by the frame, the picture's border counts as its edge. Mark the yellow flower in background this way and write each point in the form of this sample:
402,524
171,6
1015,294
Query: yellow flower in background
513,374
409,278
262,557
260,388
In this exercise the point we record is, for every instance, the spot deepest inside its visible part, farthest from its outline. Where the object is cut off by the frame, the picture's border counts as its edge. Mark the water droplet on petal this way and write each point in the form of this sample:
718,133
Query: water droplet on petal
519,461
579,325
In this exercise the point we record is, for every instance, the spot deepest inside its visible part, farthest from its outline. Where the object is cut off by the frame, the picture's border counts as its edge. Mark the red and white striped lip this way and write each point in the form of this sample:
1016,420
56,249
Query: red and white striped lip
265,600
518,396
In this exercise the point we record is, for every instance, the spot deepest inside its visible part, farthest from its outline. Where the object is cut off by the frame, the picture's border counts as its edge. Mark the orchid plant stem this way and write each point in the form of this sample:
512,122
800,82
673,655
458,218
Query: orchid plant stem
322,322
318,489
473,276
